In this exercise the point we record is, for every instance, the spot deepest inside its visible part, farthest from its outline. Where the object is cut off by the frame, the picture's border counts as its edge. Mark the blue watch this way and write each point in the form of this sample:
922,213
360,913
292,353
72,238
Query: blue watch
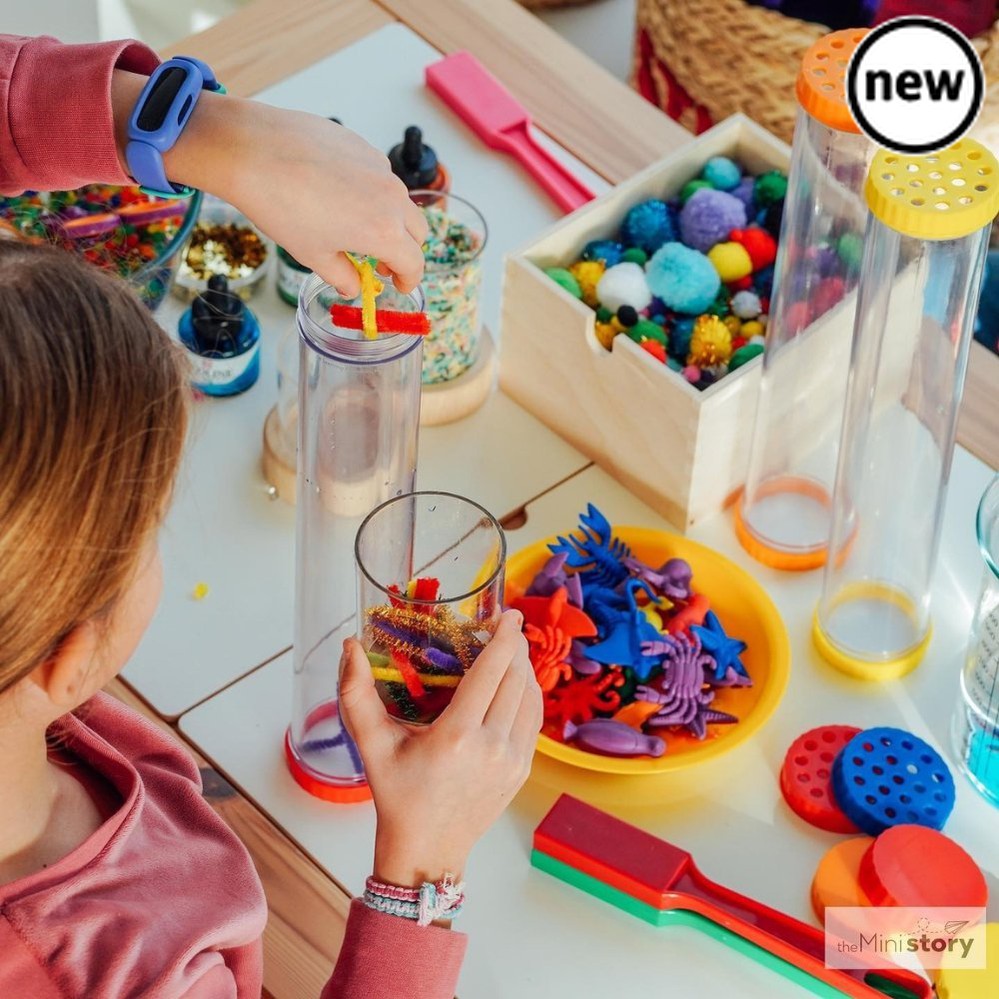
158,119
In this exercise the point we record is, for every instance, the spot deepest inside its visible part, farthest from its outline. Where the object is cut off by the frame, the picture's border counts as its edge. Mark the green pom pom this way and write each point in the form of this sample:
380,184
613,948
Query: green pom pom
635,255
645,329
850,247
674,364
604,315
722,305
691,186
565,280
770,187
744,354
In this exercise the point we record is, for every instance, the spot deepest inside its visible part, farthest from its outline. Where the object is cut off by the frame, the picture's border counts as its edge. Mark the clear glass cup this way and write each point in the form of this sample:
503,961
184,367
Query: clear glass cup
452,283
975,731
921,277
280,445
359,413
430,572
783,515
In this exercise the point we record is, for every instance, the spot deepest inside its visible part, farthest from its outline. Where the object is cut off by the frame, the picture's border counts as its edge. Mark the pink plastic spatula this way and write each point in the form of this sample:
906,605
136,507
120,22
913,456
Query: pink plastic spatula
497,118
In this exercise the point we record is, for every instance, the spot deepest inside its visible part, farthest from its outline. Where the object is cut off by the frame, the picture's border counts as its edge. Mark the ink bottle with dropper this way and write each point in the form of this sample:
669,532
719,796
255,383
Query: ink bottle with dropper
416,164
222,339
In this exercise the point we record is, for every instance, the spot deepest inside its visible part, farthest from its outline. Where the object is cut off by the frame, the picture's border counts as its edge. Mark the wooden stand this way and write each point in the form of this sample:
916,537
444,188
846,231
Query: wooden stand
458,398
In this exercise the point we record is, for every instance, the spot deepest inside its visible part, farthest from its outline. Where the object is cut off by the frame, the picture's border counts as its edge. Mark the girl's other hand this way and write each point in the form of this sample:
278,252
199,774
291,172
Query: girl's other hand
437,788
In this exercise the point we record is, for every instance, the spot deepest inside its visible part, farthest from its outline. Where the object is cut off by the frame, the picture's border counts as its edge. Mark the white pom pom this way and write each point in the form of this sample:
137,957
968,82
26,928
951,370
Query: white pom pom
746,304
623,284
758,339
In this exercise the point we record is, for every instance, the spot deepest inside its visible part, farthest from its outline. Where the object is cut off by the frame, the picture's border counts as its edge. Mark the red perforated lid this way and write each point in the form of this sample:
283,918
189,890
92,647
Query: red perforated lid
806,777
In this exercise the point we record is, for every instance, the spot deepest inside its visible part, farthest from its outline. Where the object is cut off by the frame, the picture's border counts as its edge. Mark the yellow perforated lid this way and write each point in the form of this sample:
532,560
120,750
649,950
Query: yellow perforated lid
944,195
821,85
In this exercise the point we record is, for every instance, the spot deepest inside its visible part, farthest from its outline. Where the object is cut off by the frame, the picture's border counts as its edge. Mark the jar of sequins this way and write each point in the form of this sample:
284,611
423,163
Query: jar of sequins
452,282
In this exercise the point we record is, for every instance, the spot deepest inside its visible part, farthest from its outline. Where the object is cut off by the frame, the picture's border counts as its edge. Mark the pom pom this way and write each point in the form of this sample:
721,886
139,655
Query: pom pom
770,187
656,349
679,338
746,305
744,191
752,328
721,306
691,187
588,273
684,279
734,324
627,316
711,342
758,243
605,333
744,354
772,217
673,364
635,255
645,329
607,250
564,279
708,217
829,292
692,373
730,260
763,282
722,173
648,225
796,317
604,315
757,339
850,247
623,284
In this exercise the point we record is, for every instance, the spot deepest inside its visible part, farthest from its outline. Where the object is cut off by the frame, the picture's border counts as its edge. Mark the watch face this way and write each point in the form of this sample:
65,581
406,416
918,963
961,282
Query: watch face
158,103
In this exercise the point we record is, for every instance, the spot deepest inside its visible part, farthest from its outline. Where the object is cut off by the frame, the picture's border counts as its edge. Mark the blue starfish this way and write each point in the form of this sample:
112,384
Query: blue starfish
626,637
716,643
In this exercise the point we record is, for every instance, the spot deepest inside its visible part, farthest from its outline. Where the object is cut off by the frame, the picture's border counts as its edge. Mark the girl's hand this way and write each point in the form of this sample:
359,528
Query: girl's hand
437,788
313,186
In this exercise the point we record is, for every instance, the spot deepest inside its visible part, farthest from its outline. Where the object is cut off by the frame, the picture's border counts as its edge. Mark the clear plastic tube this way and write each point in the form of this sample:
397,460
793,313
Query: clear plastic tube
359,413
917,299
783,516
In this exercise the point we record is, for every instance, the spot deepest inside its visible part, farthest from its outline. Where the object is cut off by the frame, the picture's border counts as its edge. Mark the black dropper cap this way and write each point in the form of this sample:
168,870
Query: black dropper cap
217,315
414,162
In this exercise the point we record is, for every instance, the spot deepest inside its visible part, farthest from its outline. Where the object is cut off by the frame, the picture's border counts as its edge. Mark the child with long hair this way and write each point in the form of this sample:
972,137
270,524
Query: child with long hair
116,878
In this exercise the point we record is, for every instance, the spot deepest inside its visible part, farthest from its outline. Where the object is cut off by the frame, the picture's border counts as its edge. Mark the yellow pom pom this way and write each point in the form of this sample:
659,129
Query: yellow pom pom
753,328
587,273
734,324
605,334
710,343
200,591
731,261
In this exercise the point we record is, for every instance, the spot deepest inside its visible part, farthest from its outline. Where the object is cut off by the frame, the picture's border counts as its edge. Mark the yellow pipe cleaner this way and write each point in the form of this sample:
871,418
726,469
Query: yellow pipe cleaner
371,288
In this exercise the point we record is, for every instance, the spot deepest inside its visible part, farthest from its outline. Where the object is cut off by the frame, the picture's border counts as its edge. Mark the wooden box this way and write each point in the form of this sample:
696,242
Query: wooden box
680,450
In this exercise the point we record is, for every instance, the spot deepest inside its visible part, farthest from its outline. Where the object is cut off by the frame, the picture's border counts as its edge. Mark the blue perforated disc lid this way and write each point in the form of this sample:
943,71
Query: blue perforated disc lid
887,776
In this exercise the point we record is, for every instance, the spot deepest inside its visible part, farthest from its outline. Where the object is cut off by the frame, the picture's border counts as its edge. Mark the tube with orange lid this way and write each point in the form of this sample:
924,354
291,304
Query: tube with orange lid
782,518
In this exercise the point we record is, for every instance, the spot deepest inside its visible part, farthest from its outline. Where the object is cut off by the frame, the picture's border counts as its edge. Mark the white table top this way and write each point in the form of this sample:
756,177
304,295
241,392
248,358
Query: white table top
532,936
223,528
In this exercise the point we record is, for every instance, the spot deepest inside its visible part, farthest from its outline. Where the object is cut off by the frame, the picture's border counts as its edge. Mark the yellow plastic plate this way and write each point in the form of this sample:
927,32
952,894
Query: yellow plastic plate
745,612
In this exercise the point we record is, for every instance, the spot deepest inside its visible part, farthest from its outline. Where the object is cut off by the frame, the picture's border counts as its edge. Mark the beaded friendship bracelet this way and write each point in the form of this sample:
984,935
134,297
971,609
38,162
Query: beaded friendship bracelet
443,900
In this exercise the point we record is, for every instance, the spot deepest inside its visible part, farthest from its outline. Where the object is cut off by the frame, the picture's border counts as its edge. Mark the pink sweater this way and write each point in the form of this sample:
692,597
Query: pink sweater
162,902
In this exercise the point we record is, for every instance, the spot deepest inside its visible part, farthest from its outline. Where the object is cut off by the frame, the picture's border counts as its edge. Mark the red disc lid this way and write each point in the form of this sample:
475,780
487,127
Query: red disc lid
806,777
911,865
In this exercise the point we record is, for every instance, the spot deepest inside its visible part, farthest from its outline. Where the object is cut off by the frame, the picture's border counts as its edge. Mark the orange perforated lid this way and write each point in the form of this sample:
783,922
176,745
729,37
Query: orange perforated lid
821,86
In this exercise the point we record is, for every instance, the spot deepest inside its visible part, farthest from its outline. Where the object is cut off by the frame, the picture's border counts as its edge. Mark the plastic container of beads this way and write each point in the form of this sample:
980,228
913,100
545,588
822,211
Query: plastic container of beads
223,241
452,280
119,229
681,449
429,594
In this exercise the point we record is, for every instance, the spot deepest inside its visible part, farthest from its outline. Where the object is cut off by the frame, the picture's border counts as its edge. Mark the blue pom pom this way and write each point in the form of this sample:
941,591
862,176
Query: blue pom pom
721,172
607,250
649,225
709,216
684,279
679,338
744,192
763,281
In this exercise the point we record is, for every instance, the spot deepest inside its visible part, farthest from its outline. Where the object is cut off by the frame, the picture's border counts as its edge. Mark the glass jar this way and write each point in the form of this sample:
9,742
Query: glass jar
976,721
430,594
359,413
924,255
783,516
452,283
291,276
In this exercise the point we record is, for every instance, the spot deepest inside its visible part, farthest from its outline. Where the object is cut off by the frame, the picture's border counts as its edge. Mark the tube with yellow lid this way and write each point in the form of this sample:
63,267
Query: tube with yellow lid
924,254
782,518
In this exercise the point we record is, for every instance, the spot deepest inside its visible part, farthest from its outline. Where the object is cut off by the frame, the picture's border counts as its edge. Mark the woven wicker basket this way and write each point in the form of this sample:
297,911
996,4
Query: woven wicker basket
729,55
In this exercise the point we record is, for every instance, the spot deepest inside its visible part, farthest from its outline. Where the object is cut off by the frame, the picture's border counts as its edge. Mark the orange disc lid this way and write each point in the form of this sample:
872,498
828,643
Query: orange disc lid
821,86
837,878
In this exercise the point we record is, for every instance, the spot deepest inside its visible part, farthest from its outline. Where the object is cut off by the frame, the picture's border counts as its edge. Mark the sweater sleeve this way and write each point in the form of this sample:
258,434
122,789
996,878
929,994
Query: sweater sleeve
56,123
384,957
